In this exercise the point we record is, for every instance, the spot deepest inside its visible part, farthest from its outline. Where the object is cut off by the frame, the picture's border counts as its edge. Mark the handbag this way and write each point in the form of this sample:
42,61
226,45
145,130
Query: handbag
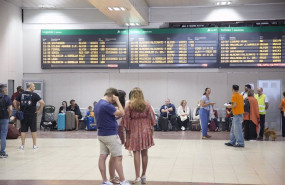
20,115
183,118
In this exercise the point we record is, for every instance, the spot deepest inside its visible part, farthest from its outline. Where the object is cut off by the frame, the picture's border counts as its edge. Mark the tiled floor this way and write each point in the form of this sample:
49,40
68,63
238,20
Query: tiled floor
63,157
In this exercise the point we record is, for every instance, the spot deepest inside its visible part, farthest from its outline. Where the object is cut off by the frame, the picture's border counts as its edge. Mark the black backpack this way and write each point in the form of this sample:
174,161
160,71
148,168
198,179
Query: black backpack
3,108
246,106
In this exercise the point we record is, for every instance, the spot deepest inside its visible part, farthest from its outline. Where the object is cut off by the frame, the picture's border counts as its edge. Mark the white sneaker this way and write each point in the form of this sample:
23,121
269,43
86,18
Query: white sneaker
107,183
138,180
35,147
182,128
143,179
125,183
21,147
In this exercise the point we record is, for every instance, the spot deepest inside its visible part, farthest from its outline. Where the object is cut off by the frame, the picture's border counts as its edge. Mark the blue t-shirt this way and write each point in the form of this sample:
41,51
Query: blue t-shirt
164,114
206,101
7,103
105,118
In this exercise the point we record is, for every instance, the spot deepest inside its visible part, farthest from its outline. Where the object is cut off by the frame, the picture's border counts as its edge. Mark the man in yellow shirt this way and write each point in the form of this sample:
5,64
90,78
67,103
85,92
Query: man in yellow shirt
237,106
263,106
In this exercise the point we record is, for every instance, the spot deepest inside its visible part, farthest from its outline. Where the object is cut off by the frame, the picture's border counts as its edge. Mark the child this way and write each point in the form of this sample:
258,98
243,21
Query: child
89,114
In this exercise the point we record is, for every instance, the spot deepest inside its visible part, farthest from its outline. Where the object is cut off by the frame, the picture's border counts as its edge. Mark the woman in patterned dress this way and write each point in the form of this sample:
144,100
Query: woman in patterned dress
138,121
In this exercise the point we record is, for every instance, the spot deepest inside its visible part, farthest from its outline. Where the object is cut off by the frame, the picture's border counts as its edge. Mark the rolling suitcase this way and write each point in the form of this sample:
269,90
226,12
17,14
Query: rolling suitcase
90,123
61,121
70,120
163,123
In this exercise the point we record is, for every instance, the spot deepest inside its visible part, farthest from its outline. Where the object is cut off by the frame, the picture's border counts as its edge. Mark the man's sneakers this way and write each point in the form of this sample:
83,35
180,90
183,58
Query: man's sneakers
236,145
35,147
4,155
21,147
229,144
125,183
107,183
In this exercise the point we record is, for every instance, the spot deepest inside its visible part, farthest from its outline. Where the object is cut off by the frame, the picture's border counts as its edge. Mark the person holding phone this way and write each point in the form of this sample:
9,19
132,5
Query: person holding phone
204,111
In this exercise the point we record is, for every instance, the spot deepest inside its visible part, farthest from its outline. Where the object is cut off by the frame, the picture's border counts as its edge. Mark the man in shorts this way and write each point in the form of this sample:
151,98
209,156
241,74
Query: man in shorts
109,140
27,103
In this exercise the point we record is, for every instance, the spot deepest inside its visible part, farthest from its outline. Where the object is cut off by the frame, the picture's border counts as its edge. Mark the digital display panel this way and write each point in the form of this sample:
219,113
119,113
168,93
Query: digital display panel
173,48
252,47
84,49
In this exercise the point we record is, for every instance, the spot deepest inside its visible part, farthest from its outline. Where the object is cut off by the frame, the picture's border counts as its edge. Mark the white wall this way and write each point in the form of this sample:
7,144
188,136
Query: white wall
11,55
208,14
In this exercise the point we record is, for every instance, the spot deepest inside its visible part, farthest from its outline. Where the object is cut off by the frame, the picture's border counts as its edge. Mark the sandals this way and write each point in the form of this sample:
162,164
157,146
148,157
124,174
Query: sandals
138,180
115,180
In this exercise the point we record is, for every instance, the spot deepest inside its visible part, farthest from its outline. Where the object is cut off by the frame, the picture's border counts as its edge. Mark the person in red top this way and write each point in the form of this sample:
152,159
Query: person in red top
282,108
15,95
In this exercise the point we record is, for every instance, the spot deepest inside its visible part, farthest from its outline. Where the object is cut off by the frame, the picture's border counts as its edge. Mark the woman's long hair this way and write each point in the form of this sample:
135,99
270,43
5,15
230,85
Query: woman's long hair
137,100
122,95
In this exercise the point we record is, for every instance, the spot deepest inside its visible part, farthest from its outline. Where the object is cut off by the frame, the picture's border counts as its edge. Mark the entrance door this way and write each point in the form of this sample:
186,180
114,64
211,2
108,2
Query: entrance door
272,89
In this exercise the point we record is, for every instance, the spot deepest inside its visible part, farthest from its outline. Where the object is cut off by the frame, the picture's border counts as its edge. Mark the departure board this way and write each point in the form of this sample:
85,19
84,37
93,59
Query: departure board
173,48
252,47
84,48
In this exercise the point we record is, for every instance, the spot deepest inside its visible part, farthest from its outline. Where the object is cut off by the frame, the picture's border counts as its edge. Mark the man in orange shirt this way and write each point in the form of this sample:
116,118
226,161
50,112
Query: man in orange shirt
237,107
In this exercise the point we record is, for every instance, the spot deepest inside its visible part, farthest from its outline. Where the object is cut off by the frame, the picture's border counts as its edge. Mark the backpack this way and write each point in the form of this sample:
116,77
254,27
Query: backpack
3,108
246,106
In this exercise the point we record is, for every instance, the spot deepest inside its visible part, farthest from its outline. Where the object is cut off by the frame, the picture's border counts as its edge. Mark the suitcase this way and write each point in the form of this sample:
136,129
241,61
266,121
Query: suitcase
90,123
163,123
61,121
212,126
195,127
13,132
69,120
82,125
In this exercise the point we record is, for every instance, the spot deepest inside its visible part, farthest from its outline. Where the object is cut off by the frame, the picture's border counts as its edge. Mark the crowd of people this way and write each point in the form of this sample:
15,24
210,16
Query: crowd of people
132,123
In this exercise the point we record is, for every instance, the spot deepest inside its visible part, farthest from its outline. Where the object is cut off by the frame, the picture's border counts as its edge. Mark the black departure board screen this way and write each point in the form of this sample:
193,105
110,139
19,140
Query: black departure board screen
252,47
84,49
173,48
164,48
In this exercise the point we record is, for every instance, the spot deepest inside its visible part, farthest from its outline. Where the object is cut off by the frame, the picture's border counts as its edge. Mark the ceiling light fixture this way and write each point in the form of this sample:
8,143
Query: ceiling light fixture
127,24
132,24
116,9
223,3
137,24
46,6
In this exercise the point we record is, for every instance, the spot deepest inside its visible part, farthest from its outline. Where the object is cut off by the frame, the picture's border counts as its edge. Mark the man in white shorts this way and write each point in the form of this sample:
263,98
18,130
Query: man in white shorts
109,140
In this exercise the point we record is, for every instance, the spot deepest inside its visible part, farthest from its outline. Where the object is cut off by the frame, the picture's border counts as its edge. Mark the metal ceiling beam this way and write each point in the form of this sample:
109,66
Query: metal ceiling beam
137,11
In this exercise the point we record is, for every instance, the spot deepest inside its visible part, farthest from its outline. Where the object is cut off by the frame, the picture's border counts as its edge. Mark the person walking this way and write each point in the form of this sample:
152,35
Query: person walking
237,107
263,106
5,113
204,112
27,103
110,143
282,108
139,122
